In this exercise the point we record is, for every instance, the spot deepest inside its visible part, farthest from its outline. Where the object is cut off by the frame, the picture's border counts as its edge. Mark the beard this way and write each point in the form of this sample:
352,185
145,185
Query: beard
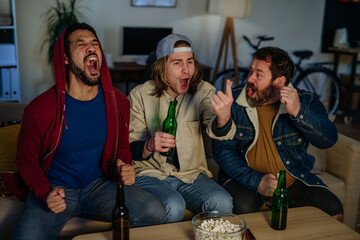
90,81
270,94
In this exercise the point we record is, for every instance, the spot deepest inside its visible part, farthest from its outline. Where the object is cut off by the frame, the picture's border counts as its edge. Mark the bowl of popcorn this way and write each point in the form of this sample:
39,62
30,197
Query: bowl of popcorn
216,225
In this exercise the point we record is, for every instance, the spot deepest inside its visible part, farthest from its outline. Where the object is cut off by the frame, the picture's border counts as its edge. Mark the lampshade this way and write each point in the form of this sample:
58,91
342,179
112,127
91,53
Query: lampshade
230,8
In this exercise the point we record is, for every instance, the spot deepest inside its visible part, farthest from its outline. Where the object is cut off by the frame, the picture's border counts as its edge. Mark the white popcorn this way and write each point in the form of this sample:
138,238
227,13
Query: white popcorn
220,226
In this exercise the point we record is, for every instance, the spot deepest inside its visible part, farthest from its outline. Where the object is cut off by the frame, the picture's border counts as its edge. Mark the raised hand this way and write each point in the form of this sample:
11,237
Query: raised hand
55,200
267,185
126,172
221,104
290,97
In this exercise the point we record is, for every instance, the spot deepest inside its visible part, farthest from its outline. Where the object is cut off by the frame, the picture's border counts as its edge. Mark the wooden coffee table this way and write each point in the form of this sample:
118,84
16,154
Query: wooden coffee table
303,223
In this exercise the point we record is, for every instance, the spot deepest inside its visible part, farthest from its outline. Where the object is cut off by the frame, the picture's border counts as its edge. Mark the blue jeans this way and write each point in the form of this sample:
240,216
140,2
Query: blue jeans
203,194
96,201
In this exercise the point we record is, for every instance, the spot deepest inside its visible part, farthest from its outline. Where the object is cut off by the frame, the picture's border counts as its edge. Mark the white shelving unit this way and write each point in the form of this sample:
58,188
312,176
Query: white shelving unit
9,67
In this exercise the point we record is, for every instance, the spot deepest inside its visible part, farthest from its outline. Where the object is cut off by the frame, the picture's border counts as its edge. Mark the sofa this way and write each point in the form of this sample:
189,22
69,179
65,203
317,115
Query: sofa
338,167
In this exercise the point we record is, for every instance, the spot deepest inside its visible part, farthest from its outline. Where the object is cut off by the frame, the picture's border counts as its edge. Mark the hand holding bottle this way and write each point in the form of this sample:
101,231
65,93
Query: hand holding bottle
164,141
280,202
169,126
161,142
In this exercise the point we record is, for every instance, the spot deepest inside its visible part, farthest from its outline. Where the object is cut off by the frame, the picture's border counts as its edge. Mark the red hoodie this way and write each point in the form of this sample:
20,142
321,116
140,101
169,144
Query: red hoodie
44,119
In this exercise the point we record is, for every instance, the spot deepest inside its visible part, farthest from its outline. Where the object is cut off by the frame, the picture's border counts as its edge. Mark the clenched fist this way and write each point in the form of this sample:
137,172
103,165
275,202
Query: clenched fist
126,172
55,200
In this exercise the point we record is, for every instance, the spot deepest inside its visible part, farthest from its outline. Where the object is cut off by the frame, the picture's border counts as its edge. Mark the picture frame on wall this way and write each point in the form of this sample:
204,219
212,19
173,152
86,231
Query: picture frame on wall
153,3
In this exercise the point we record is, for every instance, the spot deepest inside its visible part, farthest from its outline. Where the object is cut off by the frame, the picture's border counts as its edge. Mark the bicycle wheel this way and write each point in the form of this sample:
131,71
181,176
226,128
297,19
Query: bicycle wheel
322,82
221,78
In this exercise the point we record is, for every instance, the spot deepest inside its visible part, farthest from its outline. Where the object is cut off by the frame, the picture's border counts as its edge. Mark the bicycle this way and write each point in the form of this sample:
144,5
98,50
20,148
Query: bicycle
317,79
313,77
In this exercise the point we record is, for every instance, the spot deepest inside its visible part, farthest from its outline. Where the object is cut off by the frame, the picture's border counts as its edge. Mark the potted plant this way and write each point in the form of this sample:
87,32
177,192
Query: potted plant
57,19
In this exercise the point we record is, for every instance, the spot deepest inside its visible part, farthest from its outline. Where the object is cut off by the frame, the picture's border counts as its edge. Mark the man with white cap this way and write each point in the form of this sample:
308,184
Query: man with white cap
182,180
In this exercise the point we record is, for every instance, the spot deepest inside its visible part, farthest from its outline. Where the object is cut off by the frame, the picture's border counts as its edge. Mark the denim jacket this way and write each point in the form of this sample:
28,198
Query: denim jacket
291,137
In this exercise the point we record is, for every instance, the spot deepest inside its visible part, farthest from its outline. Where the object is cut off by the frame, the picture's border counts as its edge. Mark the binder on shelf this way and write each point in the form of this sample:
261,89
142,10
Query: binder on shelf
5,79
8,55
15,84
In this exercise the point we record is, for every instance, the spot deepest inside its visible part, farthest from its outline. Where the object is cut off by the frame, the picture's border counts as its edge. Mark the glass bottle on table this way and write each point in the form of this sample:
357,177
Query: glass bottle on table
170,125
280,203
120,216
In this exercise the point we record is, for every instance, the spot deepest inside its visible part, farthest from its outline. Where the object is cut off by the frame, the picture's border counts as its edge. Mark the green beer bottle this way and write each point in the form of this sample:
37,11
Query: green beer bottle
280,204
120,216
169,125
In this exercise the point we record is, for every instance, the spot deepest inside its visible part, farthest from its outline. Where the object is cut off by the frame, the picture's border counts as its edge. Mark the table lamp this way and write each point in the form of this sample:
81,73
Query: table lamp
230,9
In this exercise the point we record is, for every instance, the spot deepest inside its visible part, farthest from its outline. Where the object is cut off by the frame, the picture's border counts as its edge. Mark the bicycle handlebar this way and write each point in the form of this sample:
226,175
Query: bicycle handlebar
260,39
264,38
248,40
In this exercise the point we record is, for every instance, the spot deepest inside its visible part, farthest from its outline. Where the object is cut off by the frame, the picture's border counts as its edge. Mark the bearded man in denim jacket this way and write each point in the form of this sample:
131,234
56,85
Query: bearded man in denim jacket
275,124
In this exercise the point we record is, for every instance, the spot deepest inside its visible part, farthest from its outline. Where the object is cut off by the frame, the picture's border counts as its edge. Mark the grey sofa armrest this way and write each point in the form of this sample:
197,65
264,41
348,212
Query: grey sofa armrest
343,161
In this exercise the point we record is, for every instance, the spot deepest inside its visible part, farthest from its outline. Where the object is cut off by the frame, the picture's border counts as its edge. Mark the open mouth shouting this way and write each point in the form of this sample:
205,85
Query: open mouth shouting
92,64
251,90
184,83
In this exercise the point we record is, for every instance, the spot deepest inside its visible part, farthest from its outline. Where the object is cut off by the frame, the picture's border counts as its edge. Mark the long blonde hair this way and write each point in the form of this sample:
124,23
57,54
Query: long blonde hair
159,73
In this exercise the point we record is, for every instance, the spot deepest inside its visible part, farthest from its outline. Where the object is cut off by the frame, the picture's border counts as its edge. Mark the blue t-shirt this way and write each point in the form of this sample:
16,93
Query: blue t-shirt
77,161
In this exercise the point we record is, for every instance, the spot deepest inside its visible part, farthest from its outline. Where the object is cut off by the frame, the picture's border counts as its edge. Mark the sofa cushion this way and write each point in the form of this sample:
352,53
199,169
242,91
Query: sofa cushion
336,185
8,141
10,210
320,159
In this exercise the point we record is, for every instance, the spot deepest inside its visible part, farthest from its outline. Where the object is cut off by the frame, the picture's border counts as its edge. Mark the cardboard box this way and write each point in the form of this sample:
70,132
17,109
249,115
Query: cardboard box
345,79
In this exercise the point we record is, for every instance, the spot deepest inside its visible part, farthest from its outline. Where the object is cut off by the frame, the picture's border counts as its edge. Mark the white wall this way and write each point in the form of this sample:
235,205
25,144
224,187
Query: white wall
295,24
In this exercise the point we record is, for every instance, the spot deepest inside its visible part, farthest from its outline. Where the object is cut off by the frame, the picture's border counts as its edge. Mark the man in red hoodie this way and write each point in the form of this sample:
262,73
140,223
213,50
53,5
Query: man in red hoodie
74,144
